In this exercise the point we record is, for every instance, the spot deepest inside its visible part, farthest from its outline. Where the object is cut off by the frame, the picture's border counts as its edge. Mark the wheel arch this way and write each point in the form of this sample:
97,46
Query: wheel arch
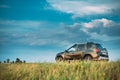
58,56
87,55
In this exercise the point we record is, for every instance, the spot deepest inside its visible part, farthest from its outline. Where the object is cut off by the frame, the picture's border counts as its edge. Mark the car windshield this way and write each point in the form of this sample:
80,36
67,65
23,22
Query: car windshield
72,49
99,46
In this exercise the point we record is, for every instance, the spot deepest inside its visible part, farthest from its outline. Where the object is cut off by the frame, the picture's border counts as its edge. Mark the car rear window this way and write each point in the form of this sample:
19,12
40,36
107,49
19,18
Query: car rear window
99,46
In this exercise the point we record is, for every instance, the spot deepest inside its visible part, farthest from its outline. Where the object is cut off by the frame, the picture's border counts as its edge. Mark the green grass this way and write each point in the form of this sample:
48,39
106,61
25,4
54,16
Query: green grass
96,70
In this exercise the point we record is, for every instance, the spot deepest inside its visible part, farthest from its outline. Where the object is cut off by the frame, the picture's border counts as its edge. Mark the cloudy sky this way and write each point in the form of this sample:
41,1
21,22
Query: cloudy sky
36,30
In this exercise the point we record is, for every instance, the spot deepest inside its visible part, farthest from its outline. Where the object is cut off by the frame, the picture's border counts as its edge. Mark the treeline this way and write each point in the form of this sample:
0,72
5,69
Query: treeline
16,61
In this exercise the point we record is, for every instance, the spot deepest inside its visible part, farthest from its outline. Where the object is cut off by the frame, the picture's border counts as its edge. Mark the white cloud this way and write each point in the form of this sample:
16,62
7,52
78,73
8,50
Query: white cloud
102,29
103,37
98,29
99,23
63,35
79,8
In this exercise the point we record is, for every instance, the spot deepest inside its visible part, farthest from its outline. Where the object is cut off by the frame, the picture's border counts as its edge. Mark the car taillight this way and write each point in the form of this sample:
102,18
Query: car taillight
97,50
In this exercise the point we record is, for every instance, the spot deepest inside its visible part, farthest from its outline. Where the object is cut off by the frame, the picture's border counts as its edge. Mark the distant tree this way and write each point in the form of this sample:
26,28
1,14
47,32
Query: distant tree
13,62
24,61
18,60
4,61
0,62
8,60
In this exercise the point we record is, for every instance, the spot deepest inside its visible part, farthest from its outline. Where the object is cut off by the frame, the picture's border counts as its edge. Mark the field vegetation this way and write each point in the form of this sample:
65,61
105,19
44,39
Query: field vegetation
91,70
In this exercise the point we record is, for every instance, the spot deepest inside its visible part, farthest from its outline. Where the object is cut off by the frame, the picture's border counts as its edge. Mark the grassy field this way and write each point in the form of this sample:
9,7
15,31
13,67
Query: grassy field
97,70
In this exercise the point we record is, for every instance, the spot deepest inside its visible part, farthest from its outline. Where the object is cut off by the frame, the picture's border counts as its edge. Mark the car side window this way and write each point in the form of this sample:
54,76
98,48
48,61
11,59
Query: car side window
81,47
89,46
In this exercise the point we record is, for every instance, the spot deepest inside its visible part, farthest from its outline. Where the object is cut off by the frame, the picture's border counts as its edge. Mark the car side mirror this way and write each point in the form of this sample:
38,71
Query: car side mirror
66,51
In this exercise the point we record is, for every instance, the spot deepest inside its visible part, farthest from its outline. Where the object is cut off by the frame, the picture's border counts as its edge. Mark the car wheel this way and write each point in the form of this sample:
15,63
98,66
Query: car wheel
87,58
59,59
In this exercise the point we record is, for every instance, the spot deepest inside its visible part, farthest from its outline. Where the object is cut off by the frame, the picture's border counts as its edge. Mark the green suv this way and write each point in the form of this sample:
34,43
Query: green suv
87,51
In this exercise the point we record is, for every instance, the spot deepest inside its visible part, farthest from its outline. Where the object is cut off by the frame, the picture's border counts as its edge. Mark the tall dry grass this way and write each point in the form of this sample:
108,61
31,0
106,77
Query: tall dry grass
94,70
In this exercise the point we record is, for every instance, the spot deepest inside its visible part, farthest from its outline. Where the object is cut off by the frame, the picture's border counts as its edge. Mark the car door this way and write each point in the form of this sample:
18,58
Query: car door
76,55
70,53
74,52
80,50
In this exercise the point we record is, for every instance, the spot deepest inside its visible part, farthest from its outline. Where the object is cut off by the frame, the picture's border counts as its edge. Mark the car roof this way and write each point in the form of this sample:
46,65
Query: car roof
86,43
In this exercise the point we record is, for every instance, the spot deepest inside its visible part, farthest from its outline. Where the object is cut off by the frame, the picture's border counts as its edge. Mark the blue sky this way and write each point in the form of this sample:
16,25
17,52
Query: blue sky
36,30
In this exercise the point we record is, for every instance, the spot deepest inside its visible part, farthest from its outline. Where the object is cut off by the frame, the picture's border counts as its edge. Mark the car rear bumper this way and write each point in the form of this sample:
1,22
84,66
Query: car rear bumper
104,55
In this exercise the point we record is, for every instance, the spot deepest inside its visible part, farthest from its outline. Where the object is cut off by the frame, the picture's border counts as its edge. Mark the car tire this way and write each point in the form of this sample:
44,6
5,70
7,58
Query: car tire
87,58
